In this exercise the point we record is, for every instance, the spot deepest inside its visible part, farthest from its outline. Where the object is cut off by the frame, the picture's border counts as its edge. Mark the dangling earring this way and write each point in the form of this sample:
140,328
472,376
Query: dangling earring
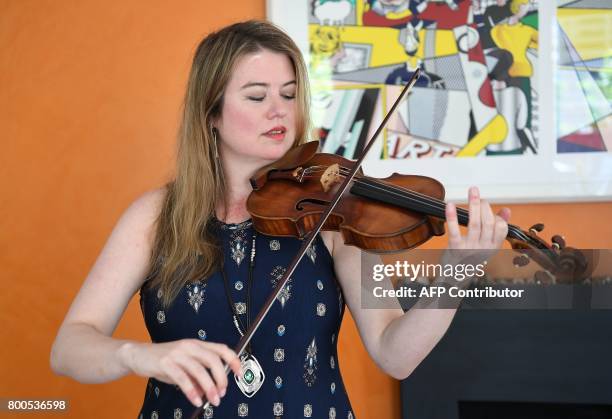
216,161
214,132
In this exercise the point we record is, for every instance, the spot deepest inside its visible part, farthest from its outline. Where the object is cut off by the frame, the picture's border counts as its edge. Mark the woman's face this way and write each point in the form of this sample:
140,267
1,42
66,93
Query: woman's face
257,120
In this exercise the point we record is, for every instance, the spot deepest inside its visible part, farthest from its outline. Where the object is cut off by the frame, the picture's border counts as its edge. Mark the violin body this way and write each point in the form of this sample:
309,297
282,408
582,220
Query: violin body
289,204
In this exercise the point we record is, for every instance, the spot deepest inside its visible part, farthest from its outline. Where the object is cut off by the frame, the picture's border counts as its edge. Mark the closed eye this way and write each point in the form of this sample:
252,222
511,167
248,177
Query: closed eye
261,98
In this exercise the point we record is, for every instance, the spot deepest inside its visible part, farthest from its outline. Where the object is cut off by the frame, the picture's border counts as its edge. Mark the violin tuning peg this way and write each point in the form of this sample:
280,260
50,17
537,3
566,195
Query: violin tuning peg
558,242
536,228
521,260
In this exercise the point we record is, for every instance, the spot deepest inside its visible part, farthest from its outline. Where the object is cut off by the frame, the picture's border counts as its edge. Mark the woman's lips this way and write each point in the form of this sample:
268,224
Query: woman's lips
277,133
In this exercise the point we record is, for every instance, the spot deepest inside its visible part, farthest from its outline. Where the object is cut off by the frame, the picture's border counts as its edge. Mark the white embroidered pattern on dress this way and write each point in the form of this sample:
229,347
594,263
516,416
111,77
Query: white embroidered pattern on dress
332,413
276,274
279,354
195,295
208,412
311,252
310,366
240,307
238,240
278,409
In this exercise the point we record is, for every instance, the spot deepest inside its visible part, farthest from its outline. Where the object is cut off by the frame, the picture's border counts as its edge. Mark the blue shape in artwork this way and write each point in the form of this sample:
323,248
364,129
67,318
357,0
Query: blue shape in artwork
565,147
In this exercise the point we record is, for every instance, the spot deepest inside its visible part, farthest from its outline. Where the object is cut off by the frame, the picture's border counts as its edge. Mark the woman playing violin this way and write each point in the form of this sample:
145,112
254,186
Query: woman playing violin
203,272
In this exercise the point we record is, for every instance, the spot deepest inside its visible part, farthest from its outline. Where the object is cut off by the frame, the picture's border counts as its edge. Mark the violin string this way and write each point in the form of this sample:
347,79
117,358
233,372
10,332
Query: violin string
422,199
400,192
436,203
428,200
461,212
432,201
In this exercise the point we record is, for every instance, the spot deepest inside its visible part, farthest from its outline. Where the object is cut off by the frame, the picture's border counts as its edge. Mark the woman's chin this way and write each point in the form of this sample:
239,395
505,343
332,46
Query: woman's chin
274,151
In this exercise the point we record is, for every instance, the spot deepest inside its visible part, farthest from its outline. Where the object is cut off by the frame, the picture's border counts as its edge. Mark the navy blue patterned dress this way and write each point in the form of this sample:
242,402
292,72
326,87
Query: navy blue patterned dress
296,344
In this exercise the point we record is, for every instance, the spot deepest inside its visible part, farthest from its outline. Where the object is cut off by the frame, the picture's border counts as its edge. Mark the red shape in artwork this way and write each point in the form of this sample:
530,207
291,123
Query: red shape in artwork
586,137
485,92
371,18
444,17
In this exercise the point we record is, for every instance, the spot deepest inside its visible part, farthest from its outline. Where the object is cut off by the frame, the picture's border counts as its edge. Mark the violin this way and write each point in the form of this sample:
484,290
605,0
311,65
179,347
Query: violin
396,213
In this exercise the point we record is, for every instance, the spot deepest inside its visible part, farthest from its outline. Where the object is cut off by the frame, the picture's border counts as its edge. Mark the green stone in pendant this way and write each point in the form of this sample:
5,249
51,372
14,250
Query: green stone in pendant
249,376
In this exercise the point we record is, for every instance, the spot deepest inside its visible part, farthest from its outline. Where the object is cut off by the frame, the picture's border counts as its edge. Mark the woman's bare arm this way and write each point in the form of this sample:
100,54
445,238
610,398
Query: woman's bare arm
83,348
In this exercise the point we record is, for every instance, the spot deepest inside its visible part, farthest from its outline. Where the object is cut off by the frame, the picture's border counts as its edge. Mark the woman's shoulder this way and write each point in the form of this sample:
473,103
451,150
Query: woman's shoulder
141,215
149,203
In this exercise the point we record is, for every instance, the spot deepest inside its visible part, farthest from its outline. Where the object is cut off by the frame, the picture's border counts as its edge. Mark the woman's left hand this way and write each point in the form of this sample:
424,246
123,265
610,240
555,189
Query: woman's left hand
485,230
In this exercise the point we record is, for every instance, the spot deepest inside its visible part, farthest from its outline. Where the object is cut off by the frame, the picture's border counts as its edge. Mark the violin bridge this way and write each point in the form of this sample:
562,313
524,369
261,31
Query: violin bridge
298,174
330,176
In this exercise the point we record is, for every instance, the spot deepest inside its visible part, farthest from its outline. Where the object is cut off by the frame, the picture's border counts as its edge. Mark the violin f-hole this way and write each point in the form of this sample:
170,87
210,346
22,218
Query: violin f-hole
299,204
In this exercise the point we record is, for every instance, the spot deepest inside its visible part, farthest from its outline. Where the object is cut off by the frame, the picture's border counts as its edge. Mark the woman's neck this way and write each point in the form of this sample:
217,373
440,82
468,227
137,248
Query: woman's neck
235,210
238,189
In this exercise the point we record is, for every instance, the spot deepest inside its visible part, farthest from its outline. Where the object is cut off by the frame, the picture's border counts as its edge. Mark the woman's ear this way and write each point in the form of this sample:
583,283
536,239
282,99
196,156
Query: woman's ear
215,122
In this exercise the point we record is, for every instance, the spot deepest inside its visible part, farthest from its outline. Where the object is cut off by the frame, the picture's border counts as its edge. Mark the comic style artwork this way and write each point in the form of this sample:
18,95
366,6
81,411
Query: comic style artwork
584,76
477,95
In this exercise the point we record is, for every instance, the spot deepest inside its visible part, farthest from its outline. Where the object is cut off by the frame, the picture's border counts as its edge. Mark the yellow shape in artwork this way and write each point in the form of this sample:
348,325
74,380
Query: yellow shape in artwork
493,133
386,48
516,39
589,30
445,42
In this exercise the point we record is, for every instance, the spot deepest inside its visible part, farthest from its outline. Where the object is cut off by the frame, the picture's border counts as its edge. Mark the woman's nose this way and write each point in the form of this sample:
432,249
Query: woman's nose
278,107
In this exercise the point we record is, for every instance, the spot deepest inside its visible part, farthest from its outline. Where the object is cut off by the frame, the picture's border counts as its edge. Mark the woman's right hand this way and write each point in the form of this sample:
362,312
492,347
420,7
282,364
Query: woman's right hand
188,363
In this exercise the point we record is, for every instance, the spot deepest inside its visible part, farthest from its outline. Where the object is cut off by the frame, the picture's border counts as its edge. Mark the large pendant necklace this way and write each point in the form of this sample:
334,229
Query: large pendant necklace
253,377
253,374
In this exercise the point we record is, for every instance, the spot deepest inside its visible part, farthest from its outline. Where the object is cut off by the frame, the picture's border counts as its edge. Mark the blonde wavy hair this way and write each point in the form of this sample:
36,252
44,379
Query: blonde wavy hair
184,249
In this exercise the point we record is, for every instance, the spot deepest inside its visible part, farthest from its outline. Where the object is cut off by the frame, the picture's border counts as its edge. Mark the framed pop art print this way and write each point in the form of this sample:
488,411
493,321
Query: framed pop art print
515,96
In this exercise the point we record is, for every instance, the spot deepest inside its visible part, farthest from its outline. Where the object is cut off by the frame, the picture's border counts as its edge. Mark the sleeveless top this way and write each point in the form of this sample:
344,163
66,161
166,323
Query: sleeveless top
296,343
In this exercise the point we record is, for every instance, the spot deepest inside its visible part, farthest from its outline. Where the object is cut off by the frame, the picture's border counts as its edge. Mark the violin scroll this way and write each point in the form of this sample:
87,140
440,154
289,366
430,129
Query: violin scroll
562,264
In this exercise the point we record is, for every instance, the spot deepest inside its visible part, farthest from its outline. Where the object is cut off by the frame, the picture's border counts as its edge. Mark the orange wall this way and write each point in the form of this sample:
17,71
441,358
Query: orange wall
89,100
